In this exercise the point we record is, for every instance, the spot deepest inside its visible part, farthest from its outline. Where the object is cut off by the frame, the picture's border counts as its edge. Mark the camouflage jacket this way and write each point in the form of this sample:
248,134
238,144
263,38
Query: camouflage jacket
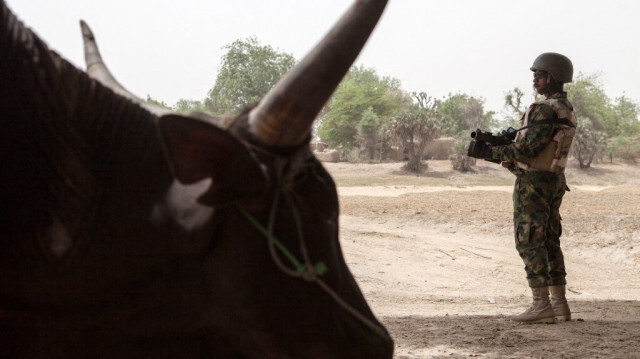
536,139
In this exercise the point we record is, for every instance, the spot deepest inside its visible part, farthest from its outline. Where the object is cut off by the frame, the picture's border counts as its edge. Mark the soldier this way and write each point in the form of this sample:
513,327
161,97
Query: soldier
538,158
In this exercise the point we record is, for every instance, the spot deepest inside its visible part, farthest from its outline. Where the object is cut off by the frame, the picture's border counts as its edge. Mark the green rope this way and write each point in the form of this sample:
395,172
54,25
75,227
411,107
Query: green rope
320,267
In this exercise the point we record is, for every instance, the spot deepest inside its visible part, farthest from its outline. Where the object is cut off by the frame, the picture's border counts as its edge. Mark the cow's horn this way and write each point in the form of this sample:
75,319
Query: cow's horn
284,116
98,70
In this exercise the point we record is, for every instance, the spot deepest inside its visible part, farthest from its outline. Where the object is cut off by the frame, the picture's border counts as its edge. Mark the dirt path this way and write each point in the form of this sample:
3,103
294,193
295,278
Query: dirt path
435,258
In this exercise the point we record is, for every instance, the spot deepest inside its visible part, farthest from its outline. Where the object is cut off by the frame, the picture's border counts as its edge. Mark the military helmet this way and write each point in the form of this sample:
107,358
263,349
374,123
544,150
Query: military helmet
559,66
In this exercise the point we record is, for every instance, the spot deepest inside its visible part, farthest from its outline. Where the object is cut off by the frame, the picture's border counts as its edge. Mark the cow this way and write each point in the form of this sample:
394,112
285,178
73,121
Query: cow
130,231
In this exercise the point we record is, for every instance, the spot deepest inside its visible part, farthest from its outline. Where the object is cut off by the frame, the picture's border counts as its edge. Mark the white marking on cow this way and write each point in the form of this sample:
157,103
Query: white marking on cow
181,205
60,240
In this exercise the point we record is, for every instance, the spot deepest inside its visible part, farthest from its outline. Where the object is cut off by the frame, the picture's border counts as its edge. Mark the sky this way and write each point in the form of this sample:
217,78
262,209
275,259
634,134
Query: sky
172,49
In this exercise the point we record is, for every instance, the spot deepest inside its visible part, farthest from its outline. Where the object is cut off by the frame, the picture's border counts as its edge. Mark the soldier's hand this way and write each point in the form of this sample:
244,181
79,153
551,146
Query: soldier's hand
487,153
479,150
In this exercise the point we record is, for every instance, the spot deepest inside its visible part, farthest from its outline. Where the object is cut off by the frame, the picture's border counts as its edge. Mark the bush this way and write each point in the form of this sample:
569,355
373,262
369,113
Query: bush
625,148
459,159
351,155
416,166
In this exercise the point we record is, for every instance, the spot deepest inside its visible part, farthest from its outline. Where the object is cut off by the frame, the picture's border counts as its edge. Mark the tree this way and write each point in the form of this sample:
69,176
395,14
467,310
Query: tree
590,101
593,109
587,143
626,148
185,106
369,133
627,144
463,113
626,113
249,70
515,107
361,89
459,159
156,102
415,125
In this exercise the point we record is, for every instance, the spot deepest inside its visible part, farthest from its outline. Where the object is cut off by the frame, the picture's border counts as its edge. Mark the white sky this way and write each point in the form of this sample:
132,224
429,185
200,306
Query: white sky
172,49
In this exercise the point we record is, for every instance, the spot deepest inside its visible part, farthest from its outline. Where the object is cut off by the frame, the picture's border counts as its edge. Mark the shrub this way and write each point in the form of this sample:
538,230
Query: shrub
459,159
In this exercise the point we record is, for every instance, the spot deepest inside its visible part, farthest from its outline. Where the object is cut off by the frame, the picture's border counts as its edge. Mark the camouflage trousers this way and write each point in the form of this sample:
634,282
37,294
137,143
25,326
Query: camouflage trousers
536,217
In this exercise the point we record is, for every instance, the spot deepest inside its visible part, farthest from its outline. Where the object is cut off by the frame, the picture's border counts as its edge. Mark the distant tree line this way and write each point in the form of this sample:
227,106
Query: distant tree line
370,117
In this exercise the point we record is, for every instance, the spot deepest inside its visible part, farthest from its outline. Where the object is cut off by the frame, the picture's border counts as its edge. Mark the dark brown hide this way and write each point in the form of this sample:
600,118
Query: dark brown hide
105,253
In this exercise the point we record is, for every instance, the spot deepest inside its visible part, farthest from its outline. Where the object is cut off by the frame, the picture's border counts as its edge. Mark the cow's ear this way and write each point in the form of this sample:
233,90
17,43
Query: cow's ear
198,150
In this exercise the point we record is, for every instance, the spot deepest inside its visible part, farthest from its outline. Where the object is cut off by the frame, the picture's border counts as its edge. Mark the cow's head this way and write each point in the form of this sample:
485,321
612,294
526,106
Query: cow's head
276,255
143,233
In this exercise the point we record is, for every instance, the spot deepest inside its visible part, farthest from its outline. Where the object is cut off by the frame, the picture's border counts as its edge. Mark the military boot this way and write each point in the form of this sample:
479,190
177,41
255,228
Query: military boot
540,311
559,303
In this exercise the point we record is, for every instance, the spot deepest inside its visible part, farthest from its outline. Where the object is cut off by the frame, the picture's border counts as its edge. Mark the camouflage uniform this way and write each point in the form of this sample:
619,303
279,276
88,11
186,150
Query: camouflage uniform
537,196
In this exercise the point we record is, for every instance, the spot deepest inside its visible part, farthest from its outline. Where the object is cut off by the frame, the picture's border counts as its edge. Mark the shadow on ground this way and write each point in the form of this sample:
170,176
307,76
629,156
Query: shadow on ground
600,329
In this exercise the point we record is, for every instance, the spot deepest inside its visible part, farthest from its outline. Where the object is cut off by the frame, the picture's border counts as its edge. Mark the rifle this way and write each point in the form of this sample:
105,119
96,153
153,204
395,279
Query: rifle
483,140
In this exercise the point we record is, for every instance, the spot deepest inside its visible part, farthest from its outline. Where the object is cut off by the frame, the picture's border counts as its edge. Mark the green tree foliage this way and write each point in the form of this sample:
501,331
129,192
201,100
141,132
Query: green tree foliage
361,90
626,148
186,106
614,118
591,103
516,107
627,144
156,102
461,114
369,133
183,106
248,71
599,118
627,115
588,143
414,126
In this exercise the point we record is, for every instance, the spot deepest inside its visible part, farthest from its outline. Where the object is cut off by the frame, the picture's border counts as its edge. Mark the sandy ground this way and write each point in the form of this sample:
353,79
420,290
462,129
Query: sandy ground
435,257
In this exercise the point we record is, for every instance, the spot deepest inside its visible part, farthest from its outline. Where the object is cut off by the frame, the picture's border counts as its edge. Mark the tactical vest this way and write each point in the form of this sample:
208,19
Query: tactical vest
554,157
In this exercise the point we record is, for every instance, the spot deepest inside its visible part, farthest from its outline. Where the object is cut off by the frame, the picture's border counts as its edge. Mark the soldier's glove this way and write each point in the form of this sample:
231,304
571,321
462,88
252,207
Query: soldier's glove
479,150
